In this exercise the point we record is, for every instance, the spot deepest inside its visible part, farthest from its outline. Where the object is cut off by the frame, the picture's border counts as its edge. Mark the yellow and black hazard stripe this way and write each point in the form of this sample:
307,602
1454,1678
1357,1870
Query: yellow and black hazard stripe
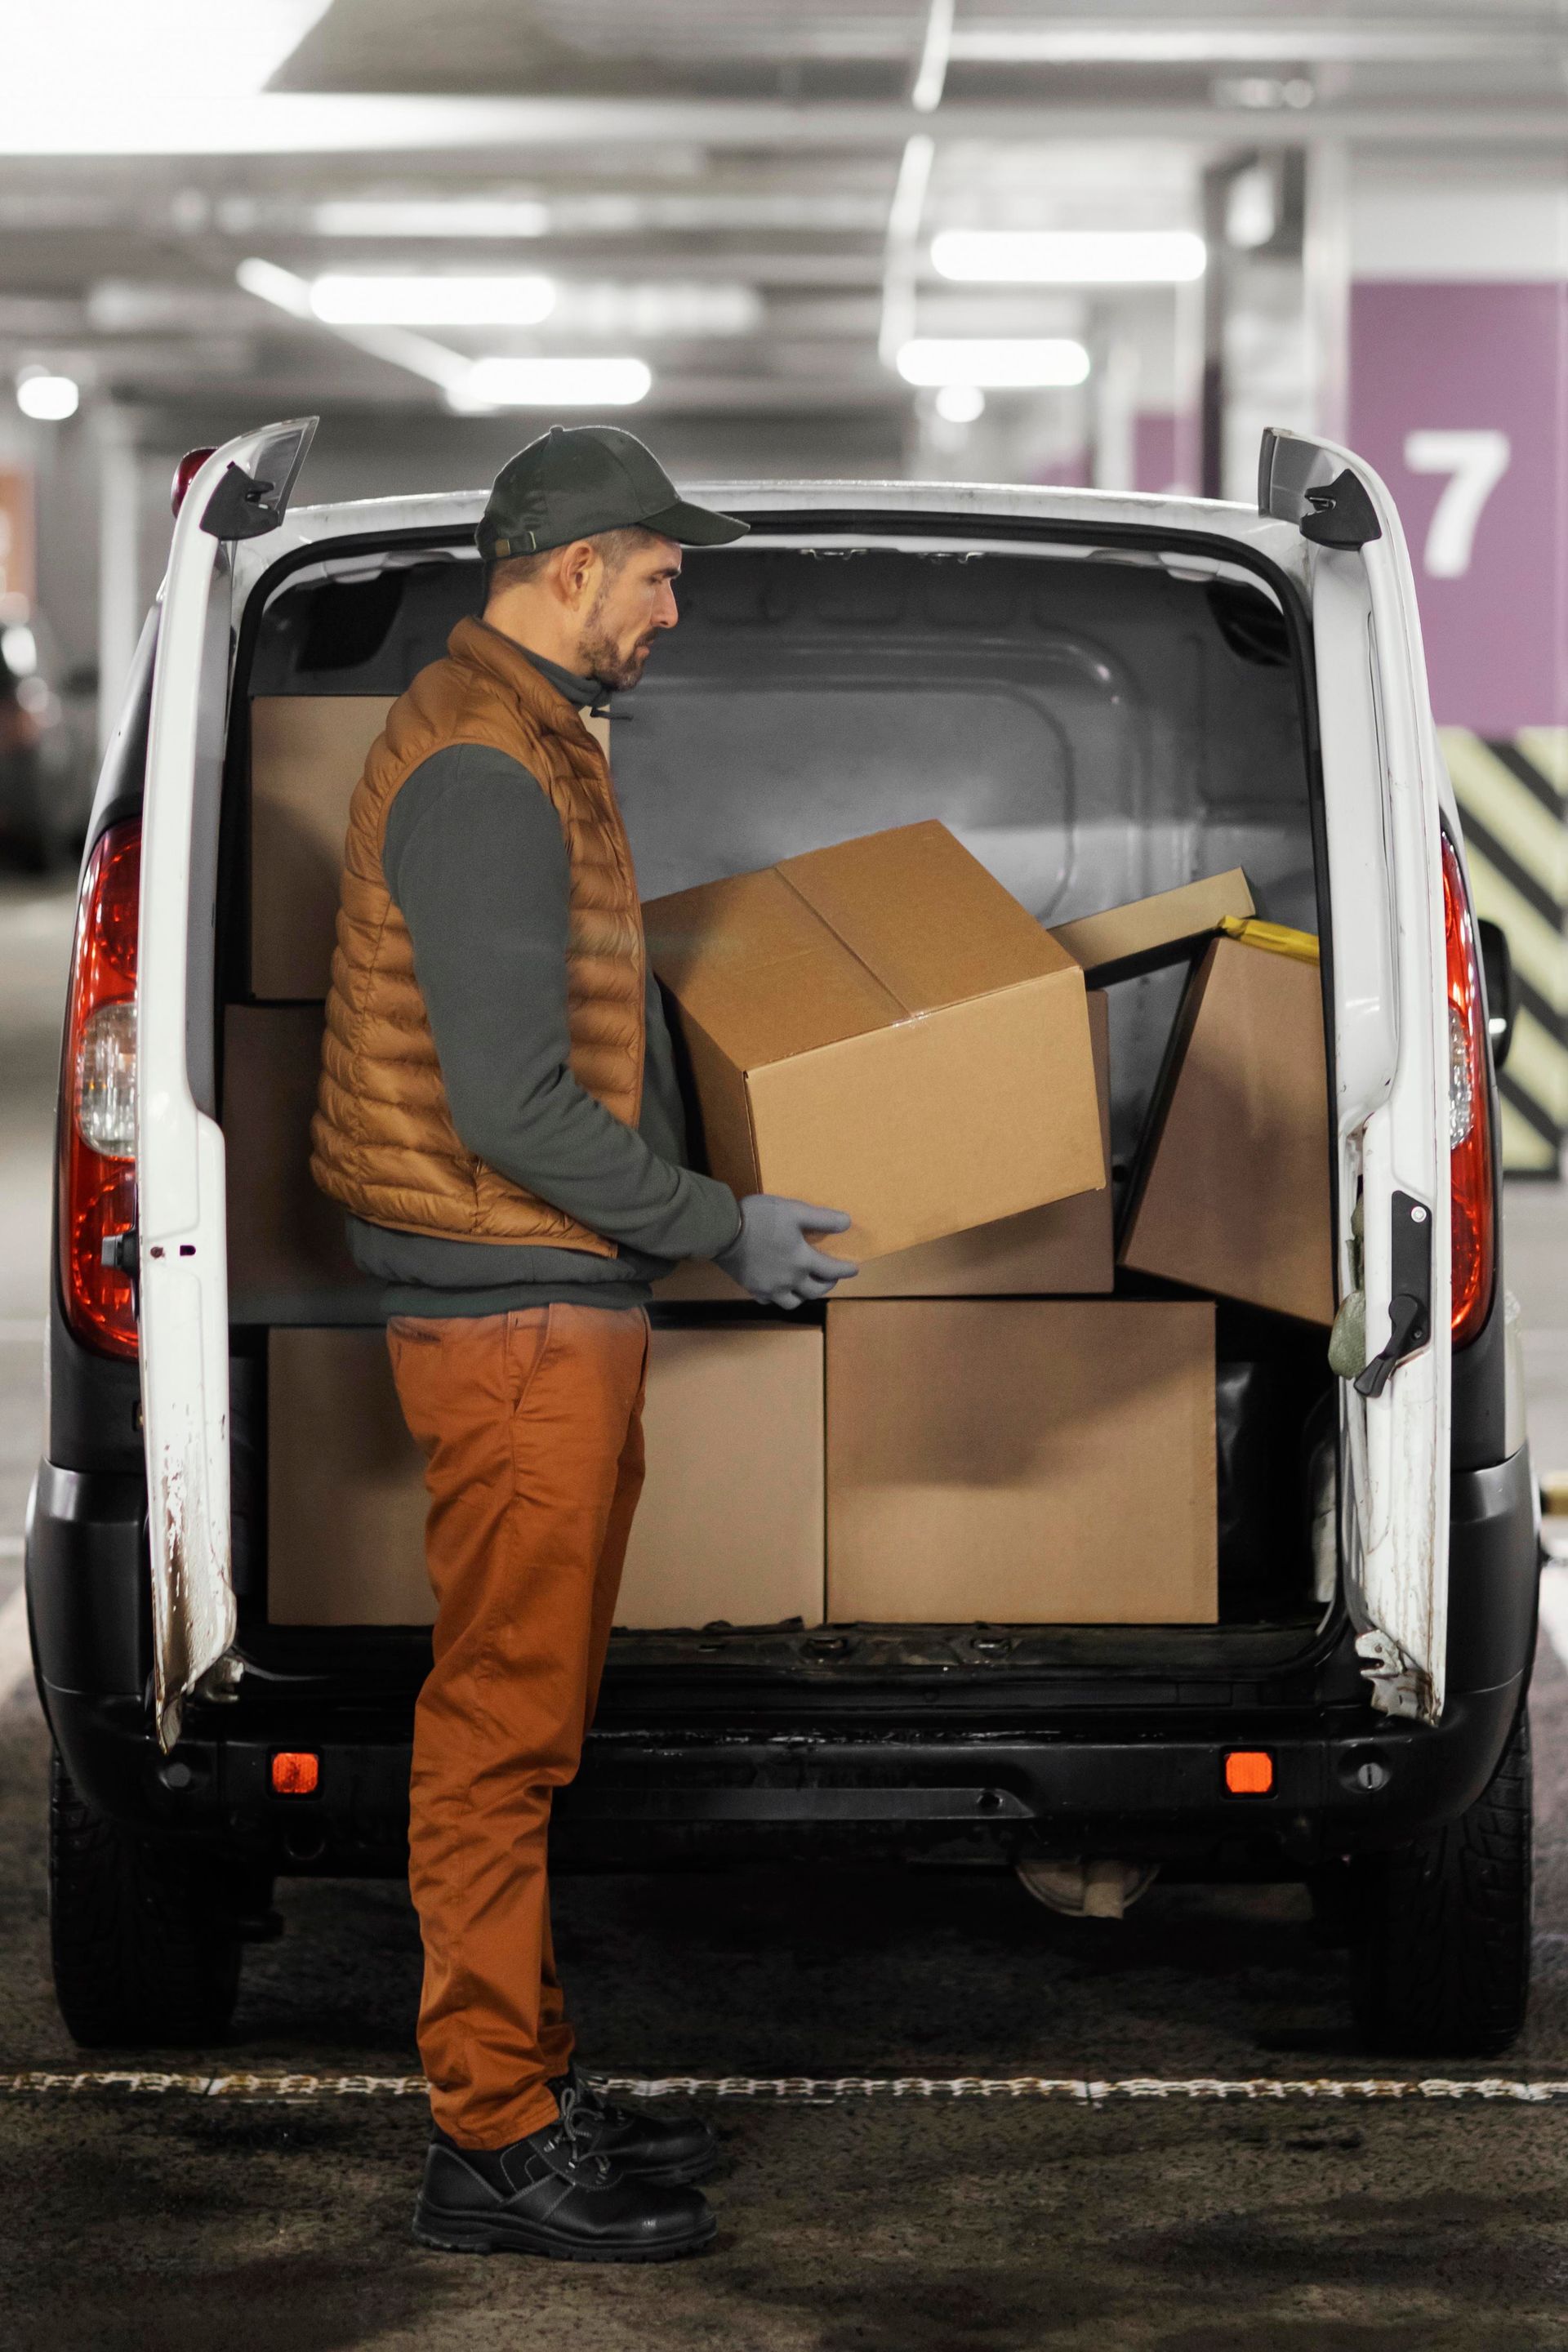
1510,795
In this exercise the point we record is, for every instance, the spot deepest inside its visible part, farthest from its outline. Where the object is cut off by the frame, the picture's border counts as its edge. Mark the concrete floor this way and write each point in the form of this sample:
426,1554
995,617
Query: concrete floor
140,2221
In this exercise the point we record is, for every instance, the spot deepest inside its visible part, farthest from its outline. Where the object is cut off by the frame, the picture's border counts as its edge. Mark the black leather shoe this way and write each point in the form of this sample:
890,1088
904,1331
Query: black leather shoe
647,2148
550,2194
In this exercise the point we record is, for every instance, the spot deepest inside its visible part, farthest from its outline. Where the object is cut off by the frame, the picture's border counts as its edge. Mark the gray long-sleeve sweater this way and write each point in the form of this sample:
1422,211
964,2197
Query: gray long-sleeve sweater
474,860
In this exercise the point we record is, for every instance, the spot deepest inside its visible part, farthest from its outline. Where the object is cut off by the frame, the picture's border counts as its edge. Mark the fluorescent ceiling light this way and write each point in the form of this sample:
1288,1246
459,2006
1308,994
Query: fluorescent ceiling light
1070,256
1252,208
1331,35
279,287
552,383
1012,364
344,301
49,399
399,346
168,54
960,404
417,216
20,649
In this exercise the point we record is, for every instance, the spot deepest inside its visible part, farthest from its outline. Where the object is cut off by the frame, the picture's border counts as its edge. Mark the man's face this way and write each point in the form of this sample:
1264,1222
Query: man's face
630,606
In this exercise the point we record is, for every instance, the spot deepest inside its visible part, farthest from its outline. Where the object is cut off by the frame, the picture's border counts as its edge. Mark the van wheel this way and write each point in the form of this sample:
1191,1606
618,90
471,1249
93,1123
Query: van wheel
143,1937
1440,1928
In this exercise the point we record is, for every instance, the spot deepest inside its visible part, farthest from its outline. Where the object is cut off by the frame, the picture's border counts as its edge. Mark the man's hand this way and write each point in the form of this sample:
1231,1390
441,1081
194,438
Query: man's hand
771,1255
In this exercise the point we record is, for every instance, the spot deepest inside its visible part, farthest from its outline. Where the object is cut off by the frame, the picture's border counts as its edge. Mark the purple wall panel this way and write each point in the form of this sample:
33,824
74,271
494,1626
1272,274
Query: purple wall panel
1071,469
1155,460
1474,359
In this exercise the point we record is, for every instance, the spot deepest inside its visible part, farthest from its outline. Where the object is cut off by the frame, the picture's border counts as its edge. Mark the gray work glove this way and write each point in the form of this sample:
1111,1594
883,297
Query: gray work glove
771,1256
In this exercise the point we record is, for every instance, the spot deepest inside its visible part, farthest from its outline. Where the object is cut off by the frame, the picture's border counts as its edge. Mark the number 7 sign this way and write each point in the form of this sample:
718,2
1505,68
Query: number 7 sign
1474,463
1455,396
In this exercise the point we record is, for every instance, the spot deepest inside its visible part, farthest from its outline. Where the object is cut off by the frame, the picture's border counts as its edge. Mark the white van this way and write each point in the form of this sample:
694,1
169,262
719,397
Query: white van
1104,697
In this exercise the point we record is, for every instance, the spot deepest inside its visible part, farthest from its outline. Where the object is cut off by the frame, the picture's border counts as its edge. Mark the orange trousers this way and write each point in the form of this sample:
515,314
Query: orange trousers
531,1430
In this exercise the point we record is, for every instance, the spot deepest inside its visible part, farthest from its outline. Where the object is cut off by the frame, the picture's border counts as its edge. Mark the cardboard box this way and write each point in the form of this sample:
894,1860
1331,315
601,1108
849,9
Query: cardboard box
1234,1193
1033,1462
1147,932
1067,1246
881,1028
346,1485
729,1524
288,1256
307,754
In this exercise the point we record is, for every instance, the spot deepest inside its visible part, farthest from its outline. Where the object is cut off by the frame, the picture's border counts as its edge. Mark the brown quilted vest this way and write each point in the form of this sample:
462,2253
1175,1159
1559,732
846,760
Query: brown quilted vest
382,1138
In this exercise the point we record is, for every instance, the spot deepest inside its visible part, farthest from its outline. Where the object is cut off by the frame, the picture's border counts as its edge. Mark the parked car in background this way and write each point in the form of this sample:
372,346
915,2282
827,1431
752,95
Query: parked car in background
47,765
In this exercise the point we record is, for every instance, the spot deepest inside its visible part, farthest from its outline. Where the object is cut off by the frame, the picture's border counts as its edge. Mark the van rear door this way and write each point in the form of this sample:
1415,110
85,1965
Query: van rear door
183,1288
1386,957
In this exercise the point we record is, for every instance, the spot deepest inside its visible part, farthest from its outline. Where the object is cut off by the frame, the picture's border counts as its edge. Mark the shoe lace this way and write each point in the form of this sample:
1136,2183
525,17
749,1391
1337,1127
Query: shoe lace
581,2122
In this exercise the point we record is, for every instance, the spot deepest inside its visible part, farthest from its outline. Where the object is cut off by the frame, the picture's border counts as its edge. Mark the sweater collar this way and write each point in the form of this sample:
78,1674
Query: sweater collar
582,693
534,683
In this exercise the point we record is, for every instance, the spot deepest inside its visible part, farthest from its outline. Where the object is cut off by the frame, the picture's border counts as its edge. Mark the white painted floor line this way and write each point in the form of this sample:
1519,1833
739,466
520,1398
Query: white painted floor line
1554,1607
15,1658
1079,2090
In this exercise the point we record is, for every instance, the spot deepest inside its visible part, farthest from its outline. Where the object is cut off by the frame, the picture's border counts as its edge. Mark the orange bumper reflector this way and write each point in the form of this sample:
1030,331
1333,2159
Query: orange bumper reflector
1249,1772
296,1775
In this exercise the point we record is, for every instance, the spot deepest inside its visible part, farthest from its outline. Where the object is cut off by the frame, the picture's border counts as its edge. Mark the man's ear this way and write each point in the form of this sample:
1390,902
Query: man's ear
576,571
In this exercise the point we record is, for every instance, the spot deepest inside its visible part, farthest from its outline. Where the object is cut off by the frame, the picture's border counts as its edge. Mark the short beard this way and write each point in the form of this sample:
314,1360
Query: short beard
602,659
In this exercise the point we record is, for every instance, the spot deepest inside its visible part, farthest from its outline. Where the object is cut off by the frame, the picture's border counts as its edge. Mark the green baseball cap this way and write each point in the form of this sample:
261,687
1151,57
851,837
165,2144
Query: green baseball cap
577,479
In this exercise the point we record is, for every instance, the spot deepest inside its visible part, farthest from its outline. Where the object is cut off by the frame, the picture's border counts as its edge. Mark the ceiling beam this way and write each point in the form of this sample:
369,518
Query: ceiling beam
306,124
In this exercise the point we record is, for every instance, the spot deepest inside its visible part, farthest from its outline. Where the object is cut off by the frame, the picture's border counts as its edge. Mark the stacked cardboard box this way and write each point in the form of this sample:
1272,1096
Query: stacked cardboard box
729,1526
1233,1194
969,1439
1021,1462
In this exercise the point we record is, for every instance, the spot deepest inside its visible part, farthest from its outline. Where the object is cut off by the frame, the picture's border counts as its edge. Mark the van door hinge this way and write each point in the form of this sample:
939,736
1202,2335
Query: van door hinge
1343,515
1410,1293
1399,1687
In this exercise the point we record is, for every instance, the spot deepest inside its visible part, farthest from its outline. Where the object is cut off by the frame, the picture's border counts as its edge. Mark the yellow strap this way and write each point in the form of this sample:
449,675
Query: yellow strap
1278,938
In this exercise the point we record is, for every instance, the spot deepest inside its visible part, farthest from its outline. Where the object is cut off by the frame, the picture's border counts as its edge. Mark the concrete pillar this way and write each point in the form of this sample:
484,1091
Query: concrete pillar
120,613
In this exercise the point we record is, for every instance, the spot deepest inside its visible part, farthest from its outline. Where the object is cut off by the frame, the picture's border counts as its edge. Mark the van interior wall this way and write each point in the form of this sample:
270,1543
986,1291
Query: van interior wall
1094,727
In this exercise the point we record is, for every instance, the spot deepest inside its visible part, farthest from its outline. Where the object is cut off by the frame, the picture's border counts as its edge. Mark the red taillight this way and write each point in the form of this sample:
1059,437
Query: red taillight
1469,1112
186,473
98,1105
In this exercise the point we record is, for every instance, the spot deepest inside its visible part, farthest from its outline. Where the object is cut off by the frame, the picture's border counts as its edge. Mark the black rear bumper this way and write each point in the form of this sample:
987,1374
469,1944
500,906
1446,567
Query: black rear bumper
1137,1781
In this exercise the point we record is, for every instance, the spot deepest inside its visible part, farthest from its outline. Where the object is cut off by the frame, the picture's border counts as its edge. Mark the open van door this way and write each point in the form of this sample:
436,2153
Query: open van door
240,492
1387,963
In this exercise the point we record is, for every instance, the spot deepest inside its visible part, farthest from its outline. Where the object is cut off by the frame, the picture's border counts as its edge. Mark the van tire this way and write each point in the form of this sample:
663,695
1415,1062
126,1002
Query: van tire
1441,1928
142,1938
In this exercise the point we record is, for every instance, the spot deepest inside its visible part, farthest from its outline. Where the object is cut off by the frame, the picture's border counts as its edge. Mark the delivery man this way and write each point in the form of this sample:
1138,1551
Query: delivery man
499,1116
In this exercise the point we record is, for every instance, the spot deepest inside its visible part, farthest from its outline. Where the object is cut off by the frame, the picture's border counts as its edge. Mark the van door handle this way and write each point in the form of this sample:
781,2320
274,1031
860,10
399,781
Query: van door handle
1410,1308
1406,1321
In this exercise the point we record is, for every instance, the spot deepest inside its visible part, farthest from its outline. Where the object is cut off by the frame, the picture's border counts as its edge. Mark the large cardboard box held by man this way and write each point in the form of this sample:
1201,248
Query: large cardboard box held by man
1021,1461
1066,1247
1233,1195
729,1524
880,1027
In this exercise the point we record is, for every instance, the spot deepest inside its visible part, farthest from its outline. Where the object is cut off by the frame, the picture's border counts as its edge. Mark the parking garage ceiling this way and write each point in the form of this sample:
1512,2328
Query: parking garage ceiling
731,191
